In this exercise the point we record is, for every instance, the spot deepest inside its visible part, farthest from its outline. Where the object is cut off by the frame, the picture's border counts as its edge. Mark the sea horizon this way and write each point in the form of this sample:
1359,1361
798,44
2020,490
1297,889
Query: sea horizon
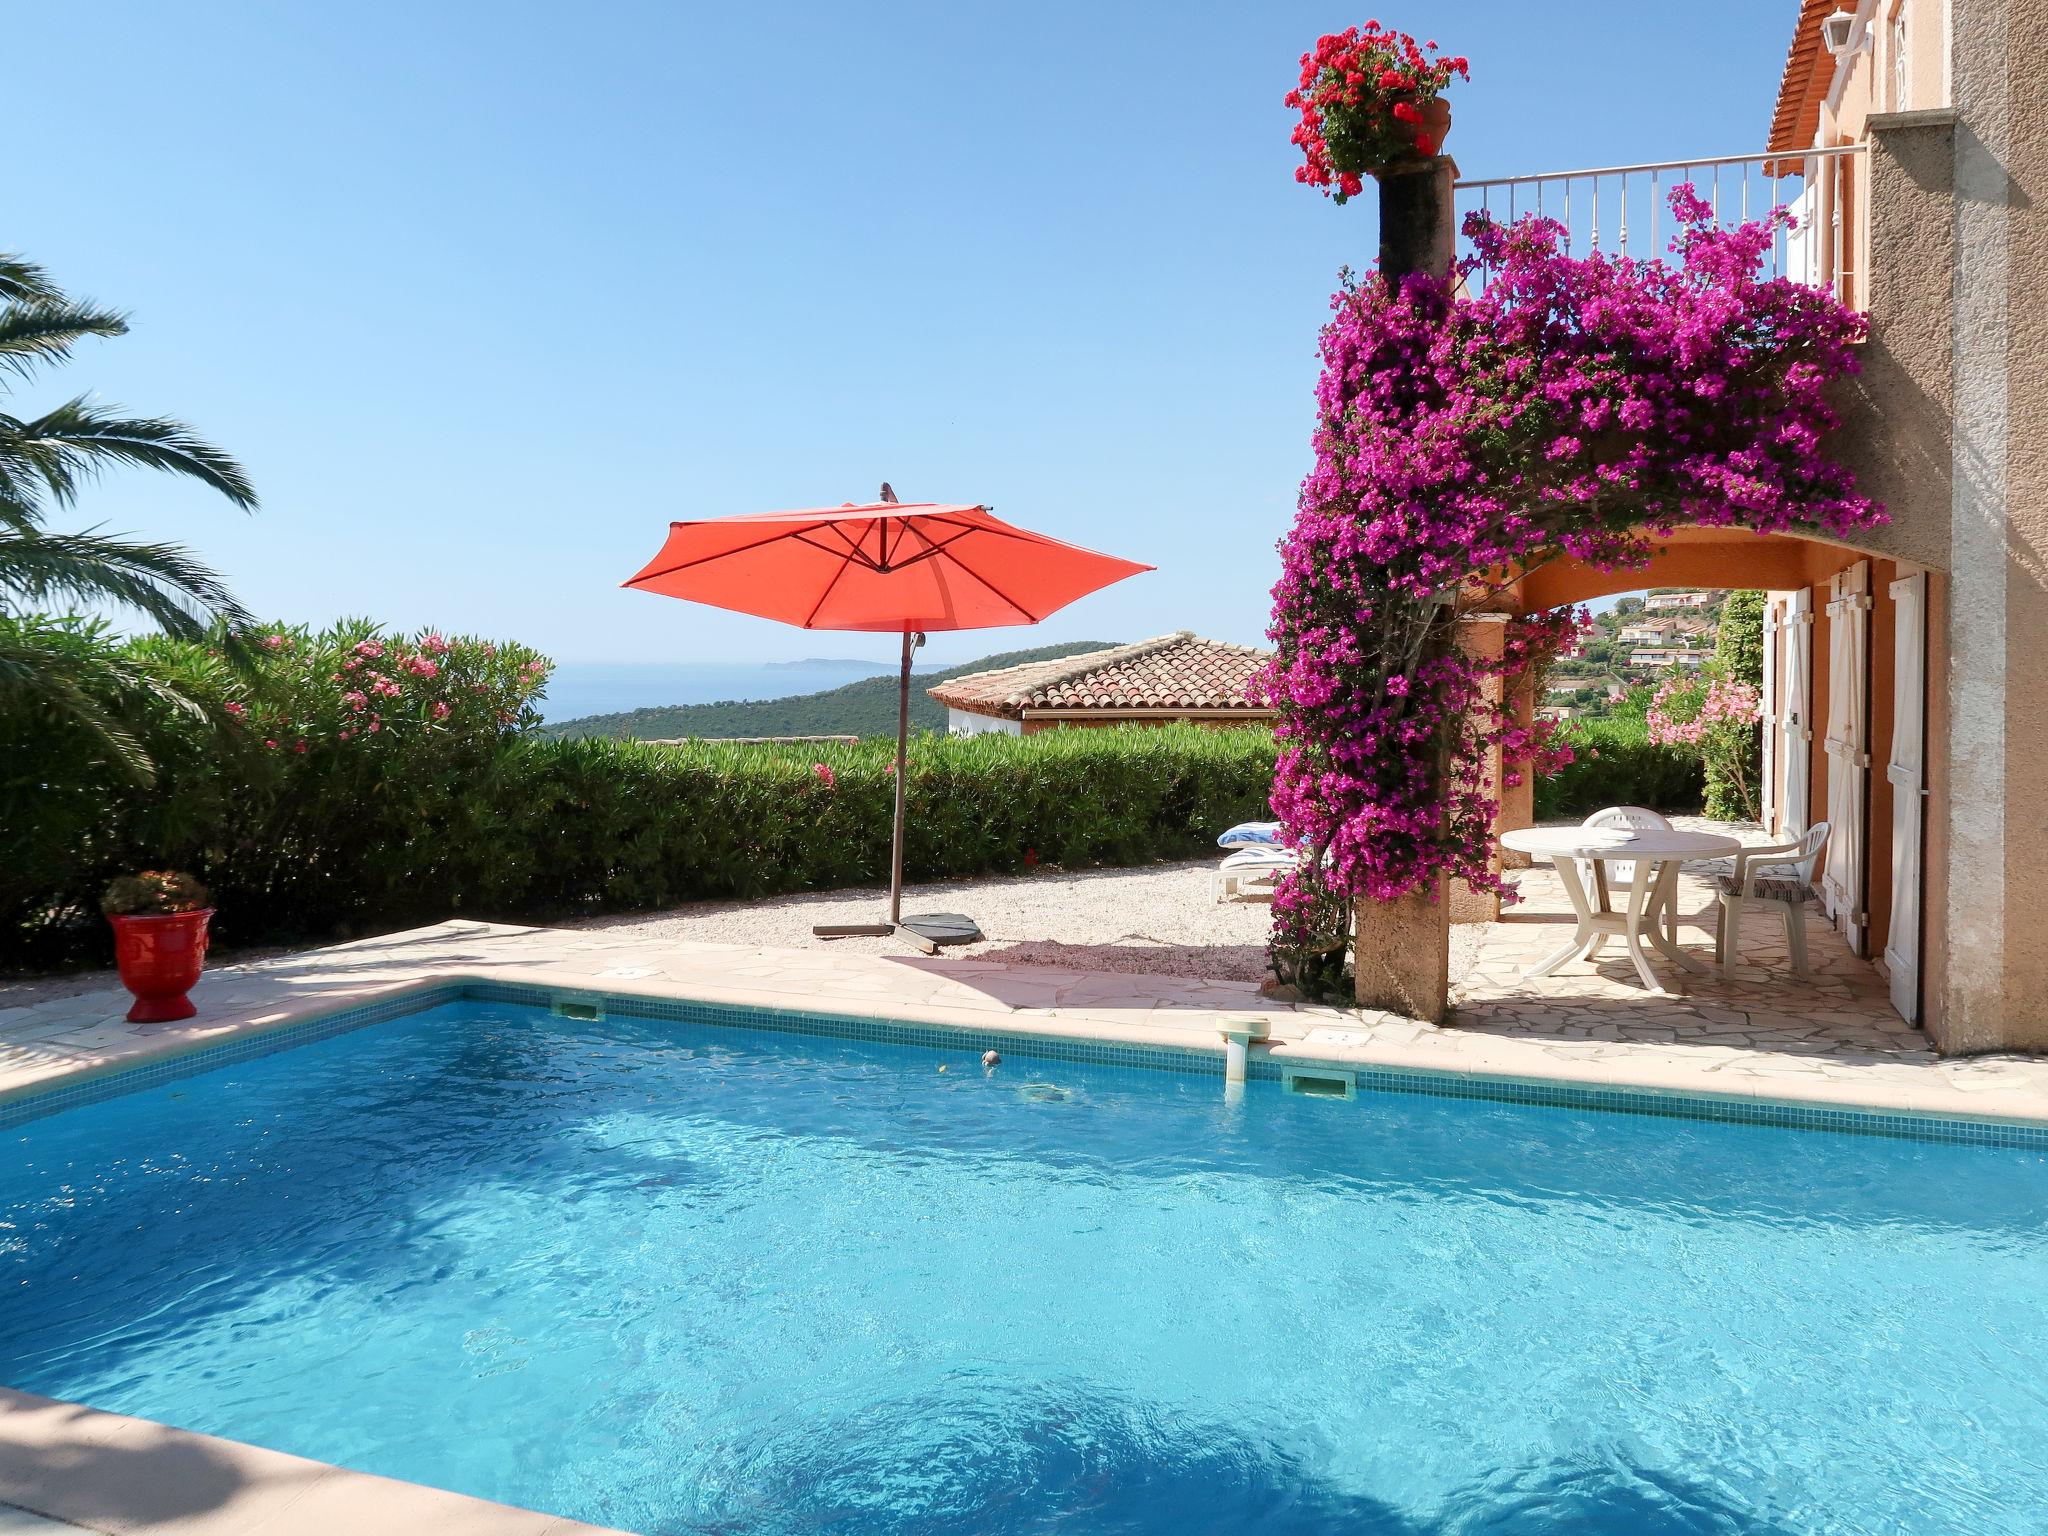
579,688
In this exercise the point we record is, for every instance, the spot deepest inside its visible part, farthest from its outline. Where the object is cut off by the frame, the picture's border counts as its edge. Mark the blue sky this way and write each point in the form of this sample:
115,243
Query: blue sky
485,294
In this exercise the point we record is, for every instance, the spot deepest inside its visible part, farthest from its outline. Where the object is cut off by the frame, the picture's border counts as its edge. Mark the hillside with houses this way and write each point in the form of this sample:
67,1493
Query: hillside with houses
1643,639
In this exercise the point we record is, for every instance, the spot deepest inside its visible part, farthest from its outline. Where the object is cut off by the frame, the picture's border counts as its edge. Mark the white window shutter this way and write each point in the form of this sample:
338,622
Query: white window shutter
1848,749
1795,734
1907,770
1771,727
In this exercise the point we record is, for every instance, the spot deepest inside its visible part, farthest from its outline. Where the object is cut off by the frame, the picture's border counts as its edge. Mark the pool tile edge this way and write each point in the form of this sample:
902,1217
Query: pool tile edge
1441,1064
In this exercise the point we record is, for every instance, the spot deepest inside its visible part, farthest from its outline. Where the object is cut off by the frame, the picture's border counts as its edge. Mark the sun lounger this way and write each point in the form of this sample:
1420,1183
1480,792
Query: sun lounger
1250,873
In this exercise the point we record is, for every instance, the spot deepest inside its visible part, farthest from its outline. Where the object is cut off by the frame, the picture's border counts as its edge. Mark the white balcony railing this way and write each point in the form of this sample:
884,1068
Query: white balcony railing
1622,208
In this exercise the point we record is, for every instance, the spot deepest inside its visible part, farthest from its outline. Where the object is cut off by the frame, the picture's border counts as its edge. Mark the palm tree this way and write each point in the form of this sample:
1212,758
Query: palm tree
44,461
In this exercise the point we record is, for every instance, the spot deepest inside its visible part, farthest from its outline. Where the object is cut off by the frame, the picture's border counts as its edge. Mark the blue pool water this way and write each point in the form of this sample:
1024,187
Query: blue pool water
679,1278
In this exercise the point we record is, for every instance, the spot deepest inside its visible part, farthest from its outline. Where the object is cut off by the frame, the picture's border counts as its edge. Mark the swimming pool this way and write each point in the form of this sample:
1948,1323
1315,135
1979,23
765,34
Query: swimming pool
679,1277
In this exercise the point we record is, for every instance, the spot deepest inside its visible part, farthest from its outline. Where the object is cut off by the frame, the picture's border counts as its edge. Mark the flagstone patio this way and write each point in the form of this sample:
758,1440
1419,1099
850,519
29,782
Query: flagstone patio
1764,1021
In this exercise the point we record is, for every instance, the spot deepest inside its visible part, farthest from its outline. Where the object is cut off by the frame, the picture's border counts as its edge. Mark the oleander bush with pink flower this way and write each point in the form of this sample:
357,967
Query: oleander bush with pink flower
1718,719
359,780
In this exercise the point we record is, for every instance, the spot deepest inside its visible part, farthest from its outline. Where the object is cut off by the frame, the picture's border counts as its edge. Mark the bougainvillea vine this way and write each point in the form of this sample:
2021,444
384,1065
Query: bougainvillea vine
1575,406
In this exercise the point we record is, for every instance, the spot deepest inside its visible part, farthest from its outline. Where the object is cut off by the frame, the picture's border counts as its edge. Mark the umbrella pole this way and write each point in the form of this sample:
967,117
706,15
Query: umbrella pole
902,772
895,923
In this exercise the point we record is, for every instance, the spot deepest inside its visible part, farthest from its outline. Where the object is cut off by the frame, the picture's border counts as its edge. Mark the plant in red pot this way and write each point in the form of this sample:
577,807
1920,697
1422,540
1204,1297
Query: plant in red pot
159,919
1370,102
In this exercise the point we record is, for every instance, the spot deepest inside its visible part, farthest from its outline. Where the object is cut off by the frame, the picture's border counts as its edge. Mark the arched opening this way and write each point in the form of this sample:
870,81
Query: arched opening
1846,729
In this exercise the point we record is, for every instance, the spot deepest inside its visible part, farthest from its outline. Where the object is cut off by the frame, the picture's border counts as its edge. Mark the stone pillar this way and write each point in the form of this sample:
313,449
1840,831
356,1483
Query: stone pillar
1418,220
1403,947
1404,954
1482,636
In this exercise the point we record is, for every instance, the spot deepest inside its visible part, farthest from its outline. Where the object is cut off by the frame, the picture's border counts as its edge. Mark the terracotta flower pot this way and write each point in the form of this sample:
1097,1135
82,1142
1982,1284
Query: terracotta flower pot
1435,125
161,955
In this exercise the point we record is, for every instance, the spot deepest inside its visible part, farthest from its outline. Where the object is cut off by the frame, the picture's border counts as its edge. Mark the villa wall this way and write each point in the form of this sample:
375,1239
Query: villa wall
1948,425
1996,973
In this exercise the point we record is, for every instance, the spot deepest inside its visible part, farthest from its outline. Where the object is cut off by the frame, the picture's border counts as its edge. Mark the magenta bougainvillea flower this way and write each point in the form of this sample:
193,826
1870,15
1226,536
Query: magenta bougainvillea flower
1578,406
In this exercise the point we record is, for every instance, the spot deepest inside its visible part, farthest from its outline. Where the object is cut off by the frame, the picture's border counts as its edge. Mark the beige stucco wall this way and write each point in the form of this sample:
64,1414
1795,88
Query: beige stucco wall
2024,68
1895,410
1996,975
1948,424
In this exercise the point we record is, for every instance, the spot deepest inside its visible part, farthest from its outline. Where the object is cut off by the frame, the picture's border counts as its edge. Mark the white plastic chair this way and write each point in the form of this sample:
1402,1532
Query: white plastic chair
1594,873
1781,873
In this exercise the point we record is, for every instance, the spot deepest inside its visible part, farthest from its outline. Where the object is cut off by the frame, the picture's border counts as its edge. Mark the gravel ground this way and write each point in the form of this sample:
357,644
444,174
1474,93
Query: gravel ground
1159,920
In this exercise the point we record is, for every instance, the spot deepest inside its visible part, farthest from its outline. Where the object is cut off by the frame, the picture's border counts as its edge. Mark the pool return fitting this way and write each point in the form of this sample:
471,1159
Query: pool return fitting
1238,1030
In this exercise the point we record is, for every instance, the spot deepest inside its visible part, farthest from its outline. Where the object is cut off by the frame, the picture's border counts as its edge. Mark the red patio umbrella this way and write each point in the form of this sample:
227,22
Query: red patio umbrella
899,567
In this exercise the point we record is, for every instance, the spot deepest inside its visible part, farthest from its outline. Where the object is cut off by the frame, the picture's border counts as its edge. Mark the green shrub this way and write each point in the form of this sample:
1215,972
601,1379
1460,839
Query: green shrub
1614,762
468,811
1739,654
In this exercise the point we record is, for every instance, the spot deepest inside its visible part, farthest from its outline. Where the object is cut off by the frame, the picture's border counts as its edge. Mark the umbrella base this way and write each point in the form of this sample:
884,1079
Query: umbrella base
942,928
929,931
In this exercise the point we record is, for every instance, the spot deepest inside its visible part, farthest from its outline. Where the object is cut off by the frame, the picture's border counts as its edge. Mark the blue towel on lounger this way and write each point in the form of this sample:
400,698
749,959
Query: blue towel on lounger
1251,834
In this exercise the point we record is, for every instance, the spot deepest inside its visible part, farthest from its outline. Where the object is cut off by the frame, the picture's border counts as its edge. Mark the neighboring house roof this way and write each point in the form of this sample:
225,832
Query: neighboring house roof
1809,70
1173,672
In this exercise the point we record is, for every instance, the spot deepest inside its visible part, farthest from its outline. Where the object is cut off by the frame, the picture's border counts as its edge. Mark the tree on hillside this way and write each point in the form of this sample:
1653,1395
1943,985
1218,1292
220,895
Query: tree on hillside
1738,658
45,461
1739,640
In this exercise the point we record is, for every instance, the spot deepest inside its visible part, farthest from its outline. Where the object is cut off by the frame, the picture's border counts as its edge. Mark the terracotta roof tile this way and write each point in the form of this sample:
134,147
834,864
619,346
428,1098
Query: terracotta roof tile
1808,70
1178,671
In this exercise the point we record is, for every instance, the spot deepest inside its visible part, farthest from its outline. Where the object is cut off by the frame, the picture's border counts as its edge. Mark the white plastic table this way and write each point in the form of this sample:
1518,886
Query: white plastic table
1656,855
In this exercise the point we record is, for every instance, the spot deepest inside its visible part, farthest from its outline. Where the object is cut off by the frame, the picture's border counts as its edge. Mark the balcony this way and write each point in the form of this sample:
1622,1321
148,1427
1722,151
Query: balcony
1622,209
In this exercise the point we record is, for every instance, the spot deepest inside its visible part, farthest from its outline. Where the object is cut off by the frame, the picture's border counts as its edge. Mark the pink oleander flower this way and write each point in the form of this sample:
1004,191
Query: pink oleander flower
823,773
370,648
275,642
356,700
434,645
237,708
420,666
440,709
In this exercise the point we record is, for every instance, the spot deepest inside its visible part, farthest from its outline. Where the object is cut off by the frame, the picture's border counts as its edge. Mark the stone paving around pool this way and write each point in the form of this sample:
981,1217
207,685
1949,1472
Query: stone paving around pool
1763,1036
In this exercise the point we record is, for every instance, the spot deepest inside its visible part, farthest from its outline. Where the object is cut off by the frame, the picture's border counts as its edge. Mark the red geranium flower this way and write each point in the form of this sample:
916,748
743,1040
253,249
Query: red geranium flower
1360,98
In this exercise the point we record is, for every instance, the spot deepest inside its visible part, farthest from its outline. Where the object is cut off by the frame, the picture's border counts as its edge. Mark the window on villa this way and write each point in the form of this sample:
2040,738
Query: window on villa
1897,43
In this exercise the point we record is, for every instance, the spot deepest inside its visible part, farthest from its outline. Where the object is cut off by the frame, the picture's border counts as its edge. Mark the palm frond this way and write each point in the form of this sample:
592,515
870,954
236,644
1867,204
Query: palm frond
43,331
163,581
22,281
39,675
17,514
77,439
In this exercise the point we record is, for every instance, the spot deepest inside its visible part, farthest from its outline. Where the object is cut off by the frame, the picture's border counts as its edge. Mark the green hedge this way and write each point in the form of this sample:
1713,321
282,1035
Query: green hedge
1614,762
345,839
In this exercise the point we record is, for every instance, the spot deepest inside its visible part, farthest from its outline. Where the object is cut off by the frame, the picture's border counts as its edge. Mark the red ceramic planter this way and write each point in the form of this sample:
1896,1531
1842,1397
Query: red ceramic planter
161,956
